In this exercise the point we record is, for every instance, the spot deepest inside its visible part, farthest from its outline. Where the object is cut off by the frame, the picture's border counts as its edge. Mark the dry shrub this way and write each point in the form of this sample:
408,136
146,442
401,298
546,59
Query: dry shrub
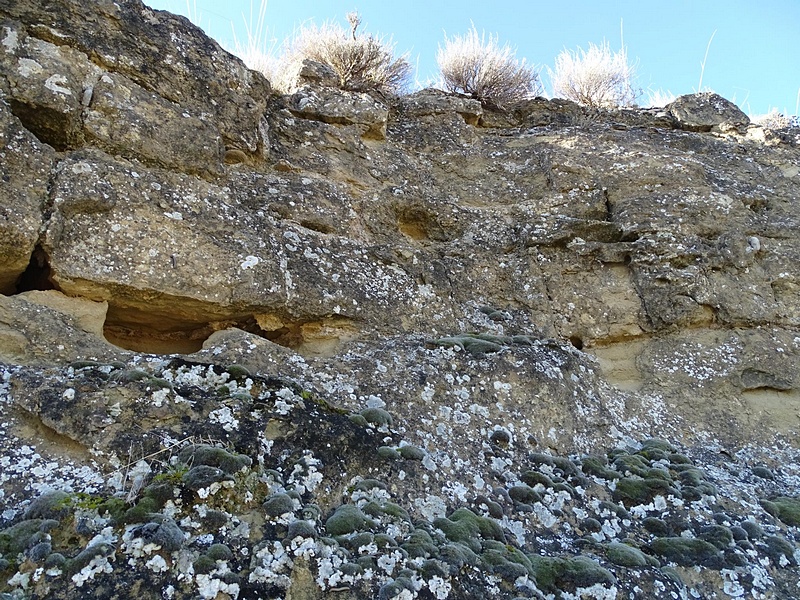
361,62
596,77
775,120
479,67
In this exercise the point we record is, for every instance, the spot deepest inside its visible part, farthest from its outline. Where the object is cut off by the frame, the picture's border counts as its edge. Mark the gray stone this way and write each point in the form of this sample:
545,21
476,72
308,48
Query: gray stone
707,111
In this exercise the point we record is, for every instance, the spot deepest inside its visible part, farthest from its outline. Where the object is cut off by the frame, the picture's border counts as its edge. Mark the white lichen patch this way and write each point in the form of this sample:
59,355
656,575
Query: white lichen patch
99,564
157,564
595,592
57,84
10,40
305,475
700,361
249,262
272,565
224,416
285,401
27,67
210,586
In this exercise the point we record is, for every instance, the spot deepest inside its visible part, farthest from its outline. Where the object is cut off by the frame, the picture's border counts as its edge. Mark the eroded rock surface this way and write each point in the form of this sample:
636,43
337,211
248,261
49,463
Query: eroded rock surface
330,345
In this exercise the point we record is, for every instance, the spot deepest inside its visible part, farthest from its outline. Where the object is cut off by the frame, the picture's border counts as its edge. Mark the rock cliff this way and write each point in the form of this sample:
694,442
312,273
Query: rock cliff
330,345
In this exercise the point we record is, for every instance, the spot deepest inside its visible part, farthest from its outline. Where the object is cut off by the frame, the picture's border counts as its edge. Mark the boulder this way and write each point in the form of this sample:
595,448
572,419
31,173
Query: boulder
707,111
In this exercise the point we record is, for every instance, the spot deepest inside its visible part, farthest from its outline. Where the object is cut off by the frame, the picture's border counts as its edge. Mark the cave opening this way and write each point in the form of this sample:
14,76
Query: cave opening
38,275
576,341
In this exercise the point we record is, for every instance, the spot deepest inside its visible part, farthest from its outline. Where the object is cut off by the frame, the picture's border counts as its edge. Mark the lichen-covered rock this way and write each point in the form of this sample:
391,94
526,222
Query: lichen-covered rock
158,51
263,346
47,85
706,111
340,107
25,172
125,119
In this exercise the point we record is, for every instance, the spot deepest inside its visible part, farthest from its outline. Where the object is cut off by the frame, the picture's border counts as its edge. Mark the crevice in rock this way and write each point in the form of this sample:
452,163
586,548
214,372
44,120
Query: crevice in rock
47,125
609,209
132,328
317,225
419,224
757,379
38,275
152,341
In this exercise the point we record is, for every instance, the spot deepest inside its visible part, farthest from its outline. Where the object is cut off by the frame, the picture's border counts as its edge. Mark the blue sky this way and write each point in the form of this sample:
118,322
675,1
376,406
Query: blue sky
753,59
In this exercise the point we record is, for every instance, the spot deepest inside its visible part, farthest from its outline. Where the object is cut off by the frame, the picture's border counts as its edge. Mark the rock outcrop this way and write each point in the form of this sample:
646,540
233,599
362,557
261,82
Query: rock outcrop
331,345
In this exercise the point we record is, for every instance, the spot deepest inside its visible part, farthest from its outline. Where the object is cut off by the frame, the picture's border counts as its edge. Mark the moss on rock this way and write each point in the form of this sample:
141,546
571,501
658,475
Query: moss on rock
686,552
203,476
780,551
301,528
466,527
278,504
420,544
524,494
377,417
347,519
219,552
785,508
631,463
387,452
718,535
213,456
582,571
14,539
411,453
623,555
50,505
596,466
633,491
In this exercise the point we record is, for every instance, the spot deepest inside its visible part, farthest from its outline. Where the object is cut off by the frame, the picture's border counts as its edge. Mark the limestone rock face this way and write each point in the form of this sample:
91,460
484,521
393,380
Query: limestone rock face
255,345
707,111
341,108
25,169
66,49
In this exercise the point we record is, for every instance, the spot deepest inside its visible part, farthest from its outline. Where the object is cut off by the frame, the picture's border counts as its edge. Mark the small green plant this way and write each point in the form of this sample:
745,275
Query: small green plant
476,65
597,77
377,417
173,474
